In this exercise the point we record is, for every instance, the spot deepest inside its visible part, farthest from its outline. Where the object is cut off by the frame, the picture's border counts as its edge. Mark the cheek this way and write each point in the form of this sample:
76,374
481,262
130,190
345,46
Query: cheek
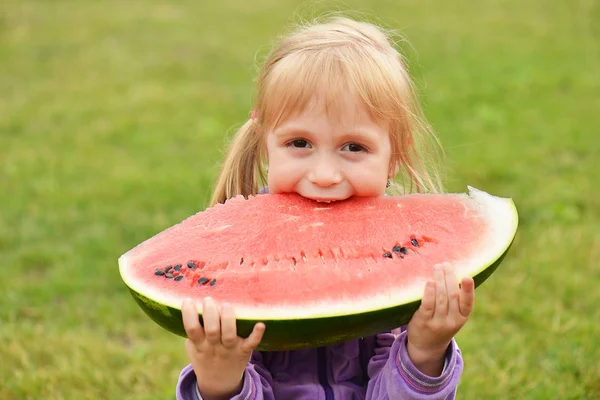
369,180
283,173
375,186
281,183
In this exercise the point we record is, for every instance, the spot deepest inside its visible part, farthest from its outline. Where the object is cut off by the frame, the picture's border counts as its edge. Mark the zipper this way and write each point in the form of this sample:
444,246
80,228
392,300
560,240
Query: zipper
322,370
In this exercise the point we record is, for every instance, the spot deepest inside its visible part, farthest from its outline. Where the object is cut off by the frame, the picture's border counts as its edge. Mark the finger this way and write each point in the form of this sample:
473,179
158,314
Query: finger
452,289
441,295
228,328
467,296
191,322
427,308
252,341
212,323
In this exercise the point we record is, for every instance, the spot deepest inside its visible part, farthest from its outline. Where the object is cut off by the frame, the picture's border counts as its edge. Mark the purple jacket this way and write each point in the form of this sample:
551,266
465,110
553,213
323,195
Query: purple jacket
376,368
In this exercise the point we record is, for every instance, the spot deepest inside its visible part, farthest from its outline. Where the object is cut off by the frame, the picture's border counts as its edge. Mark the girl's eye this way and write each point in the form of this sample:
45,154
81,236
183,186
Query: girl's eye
299,143
354,148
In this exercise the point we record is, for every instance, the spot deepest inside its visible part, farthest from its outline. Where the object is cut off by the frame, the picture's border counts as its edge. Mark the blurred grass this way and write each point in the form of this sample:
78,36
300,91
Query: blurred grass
114,116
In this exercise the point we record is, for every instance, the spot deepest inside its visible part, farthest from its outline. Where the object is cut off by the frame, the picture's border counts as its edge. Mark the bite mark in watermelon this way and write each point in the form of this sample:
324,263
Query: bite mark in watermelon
317,273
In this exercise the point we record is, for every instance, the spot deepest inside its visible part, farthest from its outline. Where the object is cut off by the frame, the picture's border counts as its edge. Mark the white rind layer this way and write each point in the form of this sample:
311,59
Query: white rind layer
500,212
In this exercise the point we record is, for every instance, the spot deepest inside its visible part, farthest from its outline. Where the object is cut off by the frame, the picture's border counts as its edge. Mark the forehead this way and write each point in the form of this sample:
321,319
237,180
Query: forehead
332,114
323,113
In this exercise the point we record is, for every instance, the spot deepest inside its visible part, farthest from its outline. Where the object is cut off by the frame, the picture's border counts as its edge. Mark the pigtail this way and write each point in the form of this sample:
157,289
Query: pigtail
242,169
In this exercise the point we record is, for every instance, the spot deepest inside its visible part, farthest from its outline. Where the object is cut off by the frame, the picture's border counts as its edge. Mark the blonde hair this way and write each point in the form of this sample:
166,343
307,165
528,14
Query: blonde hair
334,58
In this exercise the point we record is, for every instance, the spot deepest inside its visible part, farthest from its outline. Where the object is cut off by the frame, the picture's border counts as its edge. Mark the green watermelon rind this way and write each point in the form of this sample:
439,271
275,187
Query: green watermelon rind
291,334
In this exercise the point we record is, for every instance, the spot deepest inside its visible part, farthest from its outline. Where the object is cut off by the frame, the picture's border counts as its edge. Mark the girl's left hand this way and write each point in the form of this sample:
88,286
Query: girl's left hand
444,310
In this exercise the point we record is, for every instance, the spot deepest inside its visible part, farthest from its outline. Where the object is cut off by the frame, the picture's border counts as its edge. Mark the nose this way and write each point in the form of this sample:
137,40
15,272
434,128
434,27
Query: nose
325,172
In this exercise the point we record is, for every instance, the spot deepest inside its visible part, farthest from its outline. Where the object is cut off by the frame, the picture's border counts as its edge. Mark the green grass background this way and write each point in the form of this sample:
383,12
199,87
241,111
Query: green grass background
113,119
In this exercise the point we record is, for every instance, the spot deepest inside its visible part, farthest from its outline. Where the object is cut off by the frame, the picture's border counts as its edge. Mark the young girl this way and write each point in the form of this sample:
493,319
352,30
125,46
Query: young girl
335,117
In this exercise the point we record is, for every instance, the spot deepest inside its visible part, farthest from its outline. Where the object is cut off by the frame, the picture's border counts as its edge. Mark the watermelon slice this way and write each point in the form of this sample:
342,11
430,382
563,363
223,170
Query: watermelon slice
317,273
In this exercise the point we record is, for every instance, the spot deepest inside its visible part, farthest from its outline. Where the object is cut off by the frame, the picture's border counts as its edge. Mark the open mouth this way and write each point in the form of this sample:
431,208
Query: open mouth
325,200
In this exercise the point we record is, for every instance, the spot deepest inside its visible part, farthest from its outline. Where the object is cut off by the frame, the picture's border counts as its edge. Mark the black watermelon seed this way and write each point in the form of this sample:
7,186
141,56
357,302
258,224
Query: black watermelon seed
387,254
191,264
403,250
396,249
414,242
202,281
159,272
179,277
241,261
169,275
178,267
213,282
168,268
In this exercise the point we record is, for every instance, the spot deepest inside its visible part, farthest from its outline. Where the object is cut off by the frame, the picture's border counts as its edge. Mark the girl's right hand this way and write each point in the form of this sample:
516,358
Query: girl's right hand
218,356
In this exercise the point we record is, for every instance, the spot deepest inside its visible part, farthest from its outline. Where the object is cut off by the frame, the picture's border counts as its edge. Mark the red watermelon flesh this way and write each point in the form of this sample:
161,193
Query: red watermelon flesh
290,257
284,257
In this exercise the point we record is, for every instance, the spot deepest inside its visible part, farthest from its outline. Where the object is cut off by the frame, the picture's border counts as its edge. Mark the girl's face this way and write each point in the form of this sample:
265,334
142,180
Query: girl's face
328,159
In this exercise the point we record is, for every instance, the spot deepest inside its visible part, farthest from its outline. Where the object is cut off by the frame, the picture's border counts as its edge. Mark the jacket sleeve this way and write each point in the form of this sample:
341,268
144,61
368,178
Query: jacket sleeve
257,382
392,375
